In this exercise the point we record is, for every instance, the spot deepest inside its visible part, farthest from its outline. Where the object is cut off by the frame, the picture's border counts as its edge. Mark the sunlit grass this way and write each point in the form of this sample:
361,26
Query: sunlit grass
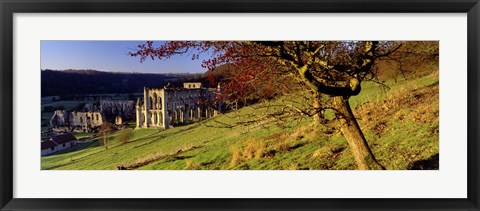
400,126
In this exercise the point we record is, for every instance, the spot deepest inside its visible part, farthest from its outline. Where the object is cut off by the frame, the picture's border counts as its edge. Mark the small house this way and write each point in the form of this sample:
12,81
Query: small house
58,143
48,147
64,141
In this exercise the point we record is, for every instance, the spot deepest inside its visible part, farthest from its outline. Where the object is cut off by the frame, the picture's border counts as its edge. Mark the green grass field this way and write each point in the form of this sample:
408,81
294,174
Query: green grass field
400,124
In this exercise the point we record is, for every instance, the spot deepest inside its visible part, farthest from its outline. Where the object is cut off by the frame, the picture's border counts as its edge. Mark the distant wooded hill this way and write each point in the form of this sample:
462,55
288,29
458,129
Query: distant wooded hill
74,82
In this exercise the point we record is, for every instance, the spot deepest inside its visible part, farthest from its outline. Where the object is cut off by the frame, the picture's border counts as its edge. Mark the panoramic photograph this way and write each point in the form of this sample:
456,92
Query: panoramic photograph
239,105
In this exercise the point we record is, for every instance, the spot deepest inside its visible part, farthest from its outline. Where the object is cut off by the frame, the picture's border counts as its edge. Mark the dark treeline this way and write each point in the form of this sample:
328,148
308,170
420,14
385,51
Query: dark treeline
77,82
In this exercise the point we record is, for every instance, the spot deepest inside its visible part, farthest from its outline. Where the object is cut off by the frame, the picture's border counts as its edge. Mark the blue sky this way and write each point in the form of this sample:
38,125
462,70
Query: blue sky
110,56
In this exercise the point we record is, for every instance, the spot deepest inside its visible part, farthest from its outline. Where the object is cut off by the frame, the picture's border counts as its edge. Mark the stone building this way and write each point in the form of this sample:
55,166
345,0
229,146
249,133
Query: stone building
161,108
75,120
123,108
92,107
93,115
118,120
58,143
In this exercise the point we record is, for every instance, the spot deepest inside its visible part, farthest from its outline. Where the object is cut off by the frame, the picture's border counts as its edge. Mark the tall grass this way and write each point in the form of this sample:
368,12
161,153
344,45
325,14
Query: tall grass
400,124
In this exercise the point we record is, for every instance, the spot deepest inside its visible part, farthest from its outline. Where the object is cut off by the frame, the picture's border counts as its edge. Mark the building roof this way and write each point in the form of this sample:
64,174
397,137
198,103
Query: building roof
48,144
64,138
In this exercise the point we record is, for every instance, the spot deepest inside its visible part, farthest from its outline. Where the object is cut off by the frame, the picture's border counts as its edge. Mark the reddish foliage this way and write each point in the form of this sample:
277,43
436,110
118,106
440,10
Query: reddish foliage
246,71
259,68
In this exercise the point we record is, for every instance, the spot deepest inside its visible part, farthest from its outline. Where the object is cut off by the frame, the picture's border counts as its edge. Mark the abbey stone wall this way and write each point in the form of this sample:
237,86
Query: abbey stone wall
123,108
63,119
91,116
161,108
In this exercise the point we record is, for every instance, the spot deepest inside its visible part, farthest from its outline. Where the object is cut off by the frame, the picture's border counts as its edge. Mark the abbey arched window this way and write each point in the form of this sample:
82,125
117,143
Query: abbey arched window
151,102
154,102
159,103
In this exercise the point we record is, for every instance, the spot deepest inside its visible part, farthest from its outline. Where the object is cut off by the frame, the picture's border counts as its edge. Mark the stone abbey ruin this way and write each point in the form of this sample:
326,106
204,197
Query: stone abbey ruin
64,120
161,108
92,115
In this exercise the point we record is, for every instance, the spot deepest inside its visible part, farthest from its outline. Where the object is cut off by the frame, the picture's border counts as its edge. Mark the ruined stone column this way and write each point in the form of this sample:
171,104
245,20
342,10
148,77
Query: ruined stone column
174,118
182,116
146,106
137,117
165,114
138,112
160,119
199,113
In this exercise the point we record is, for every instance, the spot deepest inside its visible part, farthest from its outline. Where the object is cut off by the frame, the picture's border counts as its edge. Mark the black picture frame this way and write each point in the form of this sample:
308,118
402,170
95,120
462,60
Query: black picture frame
9,7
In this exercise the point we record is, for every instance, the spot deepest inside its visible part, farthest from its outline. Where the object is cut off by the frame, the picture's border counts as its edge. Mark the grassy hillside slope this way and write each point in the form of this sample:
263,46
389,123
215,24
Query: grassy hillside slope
400,124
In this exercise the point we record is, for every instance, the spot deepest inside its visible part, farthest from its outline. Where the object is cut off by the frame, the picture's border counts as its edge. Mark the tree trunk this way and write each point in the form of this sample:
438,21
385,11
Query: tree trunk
353,134
317,117
105,141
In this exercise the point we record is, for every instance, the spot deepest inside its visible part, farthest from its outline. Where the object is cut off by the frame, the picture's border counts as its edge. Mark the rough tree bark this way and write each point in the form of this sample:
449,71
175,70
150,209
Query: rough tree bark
317,117
335,69
105,141
353,134
348,123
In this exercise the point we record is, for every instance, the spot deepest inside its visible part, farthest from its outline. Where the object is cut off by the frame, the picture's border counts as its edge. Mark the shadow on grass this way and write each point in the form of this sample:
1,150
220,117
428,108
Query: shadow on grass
431,163
207,163
168,158
296,146
56,166
78,147
157,137
181,157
